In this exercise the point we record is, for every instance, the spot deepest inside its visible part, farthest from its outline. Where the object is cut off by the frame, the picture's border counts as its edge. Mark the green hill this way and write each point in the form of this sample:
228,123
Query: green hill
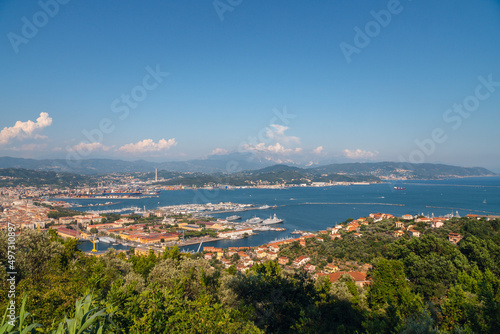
12,177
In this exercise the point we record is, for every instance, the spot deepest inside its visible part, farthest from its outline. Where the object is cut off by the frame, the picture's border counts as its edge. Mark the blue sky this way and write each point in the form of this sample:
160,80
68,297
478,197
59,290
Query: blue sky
234,68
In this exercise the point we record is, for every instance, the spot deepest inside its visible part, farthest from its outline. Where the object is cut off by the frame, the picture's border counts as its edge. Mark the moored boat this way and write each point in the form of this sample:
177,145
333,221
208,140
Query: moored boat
254,220
272,220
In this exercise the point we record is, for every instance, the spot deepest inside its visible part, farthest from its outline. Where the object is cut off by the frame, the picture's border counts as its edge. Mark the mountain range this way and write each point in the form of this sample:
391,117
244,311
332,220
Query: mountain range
241,165
212,164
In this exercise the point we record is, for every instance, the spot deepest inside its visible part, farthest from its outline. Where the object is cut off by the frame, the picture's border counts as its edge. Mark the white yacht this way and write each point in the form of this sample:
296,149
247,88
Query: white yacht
272,220
254,220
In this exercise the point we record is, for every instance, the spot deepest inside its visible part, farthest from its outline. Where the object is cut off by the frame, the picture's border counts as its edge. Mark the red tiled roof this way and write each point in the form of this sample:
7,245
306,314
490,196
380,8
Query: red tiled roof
357,276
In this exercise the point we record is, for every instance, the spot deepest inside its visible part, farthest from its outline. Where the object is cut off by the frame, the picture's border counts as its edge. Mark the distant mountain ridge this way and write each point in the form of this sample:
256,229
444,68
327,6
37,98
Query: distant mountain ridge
395,170
240,163
13,177
212,164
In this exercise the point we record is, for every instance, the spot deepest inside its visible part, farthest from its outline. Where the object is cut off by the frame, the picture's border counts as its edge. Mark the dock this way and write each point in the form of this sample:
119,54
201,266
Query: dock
195,242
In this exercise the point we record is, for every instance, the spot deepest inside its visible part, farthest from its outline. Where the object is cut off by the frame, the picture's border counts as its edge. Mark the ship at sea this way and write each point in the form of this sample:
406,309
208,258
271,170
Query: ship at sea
254,220
233,218
272,220
399,188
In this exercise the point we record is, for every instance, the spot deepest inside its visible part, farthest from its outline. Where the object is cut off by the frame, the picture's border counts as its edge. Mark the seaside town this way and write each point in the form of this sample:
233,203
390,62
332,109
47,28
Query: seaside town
225,246
189,224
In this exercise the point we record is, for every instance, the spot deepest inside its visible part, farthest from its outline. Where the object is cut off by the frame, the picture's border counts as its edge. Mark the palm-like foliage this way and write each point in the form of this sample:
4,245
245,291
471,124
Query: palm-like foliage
23,327
87,319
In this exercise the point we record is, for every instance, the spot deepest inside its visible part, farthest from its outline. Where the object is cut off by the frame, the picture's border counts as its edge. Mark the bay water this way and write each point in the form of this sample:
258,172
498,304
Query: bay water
316,208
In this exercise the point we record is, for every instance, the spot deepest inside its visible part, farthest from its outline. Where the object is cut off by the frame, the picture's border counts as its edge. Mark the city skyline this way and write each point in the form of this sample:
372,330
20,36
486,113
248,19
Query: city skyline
288,81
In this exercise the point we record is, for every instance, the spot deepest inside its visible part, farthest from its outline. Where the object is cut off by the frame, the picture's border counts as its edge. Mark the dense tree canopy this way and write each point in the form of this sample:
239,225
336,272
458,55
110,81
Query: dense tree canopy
418,285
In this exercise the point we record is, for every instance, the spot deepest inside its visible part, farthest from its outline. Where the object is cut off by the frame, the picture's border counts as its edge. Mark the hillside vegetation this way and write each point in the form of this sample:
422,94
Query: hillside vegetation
13,177
418,285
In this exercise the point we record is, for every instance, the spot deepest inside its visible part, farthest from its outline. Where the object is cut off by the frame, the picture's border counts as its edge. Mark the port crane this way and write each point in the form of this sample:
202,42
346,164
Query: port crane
93,245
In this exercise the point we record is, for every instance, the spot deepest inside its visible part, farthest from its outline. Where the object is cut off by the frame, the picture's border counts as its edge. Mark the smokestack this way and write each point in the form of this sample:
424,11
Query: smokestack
156,174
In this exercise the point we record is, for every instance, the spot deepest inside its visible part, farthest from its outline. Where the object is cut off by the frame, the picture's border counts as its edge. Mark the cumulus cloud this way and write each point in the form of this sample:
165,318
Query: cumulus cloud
219,151
24,130
359,154
148,145
276,142
277,132
318,150
276,148
90,147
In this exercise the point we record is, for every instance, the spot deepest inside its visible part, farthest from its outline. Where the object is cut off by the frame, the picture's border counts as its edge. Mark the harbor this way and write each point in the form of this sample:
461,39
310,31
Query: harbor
312,209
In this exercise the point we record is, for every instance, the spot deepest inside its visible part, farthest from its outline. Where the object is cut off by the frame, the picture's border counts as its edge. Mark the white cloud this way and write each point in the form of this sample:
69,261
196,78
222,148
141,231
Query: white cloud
359,154
90,147
148,145
277,132
219,151
318,150
24,130
277,148
275,143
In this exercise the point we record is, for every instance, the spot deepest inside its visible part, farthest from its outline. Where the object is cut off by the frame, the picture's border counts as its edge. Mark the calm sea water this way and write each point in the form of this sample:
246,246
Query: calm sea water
314,209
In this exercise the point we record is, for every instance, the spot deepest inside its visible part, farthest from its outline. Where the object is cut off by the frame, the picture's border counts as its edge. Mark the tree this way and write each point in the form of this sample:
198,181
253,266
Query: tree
390,292
484,253
283,303
430,263
144,264
37,253
188,275
235,258
472,303
421,323
165,311
454,309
